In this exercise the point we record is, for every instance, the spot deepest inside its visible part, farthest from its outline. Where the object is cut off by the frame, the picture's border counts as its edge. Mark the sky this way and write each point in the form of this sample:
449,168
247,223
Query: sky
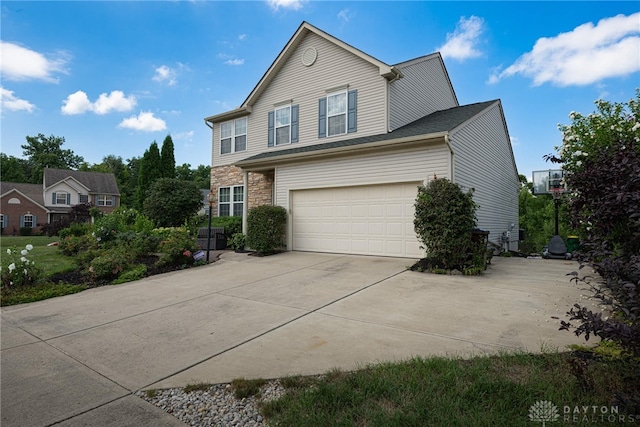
112,77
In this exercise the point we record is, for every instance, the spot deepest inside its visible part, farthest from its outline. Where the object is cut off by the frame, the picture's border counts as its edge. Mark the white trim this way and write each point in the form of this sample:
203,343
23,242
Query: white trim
232,203
344,92
233,135
276,127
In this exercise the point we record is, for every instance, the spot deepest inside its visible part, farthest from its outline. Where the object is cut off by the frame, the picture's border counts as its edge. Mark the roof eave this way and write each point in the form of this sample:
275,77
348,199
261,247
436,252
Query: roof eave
308,155
229,115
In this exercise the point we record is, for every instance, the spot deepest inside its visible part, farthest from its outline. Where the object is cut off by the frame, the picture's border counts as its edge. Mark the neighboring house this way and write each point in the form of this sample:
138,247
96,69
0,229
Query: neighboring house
33,205
343,140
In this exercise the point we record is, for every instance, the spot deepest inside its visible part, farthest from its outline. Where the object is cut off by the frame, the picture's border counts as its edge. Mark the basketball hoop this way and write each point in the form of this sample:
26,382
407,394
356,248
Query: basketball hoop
556,192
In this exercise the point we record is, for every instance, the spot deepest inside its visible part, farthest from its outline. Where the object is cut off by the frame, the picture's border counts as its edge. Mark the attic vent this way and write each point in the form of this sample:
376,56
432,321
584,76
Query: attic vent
309,56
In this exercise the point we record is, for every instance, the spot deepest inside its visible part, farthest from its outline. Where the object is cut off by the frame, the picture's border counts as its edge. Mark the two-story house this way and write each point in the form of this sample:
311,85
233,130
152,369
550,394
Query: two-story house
33,205
342,141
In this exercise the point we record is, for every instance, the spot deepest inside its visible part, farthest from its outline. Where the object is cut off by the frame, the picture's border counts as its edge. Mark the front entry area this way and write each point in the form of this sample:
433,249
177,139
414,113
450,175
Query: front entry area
362,220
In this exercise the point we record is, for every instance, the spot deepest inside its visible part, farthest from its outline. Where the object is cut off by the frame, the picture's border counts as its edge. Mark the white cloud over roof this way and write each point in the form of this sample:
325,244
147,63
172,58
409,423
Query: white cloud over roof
285,4
586,55
462,43
145,121
10,102
79,103
20,63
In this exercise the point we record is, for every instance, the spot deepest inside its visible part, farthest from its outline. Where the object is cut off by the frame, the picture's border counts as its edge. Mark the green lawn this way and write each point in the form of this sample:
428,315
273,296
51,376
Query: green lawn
483,391
49,258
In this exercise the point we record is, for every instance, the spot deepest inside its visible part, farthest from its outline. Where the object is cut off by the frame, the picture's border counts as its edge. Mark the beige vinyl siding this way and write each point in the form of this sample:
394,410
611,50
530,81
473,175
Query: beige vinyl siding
303,86
423,89
417,164
483,159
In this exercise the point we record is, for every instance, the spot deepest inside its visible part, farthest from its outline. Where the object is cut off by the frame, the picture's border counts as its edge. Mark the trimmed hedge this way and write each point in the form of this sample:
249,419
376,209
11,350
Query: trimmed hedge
266,228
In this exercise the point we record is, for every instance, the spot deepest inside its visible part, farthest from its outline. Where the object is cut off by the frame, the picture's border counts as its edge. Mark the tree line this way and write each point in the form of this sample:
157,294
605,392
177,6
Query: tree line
134,176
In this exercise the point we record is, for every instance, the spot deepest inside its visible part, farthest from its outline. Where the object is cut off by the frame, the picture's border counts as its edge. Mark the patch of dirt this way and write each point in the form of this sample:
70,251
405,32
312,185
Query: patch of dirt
79,277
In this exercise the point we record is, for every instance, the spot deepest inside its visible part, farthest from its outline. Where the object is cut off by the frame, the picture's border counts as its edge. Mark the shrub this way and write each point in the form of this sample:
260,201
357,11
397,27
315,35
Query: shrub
18,270
444,219
121,220
111,263
72,245
176,247
170,202
238,242
266,227
231,224
136,273
76,229
25,231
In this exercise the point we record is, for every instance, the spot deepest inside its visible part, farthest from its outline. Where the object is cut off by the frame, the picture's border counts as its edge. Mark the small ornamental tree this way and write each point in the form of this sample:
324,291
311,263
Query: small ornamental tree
445,216
171,202
266,228
601,155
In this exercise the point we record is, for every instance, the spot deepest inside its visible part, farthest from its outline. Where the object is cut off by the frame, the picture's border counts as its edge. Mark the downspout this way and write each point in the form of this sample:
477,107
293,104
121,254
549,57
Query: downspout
451,169
210,126
245,200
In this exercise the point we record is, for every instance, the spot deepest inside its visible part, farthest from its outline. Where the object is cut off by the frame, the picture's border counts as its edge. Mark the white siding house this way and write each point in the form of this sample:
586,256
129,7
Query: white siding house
342,141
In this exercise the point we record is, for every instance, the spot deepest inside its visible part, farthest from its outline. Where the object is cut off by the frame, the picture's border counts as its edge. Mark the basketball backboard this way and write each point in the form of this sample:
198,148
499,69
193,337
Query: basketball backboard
548,181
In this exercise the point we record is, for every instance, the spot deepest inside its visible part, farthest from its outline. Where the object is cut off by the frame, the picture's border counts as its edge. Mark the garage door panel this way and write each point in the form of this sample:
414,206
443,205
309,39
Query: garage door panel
373,220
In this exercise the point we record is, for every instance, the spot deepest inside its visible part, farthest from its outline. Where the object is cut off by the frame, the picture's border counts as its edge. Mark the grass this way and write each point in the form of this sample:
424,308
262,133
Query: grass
50,259
483,391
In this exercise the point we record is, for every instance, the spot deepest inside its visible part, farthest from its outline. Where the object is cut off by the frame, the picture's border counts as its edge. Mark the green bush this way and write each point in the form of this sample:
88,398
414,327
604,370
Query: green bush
238,241
111,263
107,227
76,229
72,245
18,270
444,219
176,247
231,224
266,228
25,231
136,273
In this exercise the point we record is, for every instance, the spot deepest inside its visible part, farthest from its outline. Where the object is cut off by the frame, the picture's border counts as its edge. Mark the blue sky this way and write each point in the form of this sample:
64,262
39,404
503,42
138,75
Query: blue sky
112,77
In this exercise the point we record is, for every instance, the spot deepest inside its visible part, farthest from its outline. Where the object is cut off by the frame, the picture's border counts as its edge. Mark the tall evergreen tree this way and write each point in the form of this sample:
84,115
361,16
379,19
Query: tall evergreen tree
150,171
167,159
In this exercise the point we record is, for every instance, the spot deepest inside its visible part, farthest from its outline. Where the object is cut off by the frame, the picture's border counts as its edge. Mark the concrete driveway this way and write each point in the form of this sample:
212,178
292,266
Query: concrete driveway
76,360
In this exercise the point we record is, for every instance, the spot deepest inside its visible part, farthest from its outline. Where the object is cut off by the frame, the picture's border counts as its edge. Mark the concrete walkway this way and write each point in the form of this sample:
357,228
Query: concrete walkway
76,360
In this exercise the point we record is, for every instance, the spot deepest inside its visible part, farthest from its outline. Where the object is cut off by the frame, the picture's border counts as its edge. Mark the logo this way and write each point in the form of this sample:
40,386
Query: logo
543,411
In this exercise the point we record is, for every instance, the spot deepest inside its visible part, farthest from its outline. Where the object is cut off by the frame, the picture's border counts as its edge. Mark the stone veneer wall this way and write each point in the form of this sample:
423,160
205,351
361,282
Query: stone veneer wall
260,185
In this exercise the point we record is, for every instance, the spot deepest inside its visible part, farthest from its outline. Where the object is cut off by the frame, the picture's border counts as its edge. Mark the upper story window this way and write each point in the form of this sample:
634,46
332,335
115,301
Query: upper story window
283,125
61,198
233,136
337,113
104,200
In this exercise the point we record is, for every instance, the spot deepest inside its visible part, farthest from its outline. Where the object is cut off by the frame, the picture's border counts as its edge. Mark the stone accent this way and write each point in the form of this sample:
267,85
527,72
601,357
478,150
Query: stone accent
260,185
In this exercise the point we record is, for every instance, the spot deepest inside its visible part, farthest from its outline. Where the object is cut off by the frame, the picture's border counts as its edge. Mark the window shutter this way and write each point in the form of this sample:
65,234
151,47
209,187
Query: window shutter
68,198
21,221
271,122
96,199
352,109
113,200
35,221
322,117
53,198
294,122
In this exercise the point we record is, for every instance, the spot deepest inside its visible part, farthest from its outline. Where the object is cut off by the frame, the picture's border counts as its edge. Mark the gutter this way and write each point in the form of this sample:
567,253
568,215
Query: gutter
448,143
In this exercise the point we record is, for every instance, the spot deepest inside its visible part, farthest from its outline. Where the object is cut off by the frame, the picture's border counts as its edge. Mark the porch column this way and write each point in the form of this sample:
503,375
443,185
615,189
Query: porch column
245,200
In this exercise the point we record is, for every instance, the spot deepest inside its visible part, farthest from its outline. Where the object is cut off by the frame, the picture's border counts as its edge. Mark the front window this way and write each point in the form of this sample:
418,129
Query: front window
283,125
230,201
28,221
104,200
337,114
61,198
84,199
233,136
2,224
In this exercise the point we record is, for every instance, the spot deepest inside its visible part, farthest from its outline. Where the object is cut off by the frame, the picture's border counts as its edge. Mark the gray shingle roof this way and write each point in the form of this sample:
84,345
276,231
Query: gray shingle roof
97,183
439,121
32,191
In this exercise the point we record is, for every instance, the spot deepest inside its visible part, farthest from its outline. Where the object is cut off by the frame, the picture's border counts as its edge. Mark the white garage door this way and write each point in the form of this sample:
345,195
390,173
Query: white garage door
367,220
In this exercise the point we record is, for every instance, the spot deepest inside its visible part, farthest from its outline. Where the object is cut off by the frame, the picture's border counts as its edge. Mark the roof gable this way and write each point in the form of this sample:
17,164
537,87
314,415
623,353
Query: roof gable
33,192
387,71
94,182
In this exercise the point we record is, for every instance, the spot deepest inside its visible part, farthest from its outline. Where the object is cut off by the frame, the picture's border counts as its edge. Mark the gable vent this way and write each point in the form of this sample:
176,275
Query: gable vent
309,56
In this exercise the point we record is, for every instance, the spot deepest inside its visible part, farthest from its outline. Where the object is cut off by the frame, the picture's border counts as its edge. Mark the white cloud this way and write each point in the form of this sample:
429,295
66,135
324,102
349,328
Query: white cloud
586,55
462,43
242,37
234,61
145,121
165,74
345,15
285,4
79,103
9,101
20,63
187,136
